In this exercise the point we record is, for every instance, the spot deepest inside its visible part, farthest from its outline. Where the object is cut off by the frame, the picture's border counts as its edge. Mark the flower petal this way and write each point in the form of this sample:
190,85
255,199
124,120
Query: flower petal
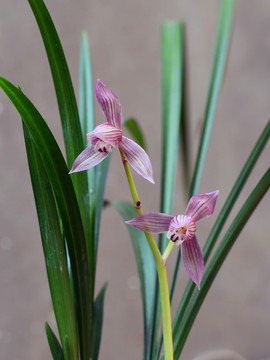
202,205
193,260
137,158
153,222
87,159
107,133
110,104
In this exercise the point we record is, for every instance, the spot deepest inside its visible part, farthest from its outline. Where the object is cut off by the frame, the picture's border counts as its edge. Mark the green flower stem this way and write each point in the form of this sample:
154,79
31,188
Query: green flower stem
161,269
168,251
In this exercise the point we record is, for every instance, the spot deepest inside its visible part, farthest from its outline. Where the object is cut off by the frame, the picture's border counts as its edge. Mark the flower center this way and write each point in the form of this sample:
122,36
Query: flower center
181,228
102,146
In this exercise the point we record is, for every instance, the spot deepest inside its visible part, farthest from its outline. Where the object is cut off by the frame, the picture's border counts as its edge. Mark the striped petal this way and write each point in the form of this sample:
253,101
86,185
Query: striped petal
88,159
137,158
193,261
202,205
109,104
107,133
153,222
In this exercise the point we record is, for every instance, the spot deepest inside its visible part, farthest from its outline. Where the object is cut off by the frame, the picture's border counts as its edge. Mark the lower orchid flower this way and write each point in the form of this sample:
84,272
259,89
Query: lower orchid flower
108,135
181,230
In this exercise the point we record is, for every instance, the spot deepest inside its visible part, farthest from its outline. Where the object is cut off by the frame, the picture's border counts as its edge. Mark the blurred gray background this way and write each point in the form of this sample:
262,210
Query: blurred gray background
125,48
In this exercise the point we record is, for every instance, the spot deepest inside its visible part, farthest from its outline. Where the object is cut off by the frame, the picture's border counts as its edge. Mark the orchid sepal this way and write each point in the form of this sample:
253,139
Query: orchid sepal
193,260
109,104
87,159
153,222
137,158
202,205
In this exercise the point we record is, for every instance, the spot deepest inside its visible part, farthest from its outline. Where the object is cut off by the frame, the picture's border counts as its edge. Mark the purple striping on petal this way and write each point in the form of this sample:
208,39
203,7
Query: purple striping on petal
181,230
110,104
107,133
153,222
202,205
88,159
91,137
137,158
193,260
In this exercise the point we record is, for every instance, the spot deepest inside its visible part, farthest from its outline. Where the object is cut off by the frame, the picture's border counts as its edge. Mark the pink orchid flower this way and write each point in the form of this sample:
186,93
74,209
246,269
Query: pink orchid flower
108,135
181,230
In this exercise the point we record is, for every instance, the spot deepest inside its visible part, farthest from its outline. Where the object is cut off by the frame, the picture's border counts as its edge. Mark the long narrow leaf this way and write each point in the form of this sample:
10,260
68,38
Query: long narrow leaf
98,321
62,81
66,102
218,69
232,198
184,120
97,176
68,207
172,86
220,255
56,350
147,272
54,250
87,114
172,63
88,124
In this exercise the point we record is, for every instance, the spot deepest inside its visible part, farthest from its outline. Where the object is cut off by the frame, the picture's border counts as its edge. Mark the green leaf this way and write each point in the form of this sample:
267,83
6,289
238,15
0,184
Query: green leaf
67,205
172,61
218,70
98,321
97,176
87,114
147,272
172,64
220,255
100,179
66,102
185,158
223,216
54,250
56,350
62,81
135,130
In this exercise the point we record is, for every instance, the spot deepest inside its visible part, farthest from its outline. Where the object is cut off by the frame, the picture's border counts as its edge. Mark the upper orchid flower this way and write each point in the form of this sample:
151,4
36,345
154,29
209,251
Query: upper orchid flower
109,135
181,230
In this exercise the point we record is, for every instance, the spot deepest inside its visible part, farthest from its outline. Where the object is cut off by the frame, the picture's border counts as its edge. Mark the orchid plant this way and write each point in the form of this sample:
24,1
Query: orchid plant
69,214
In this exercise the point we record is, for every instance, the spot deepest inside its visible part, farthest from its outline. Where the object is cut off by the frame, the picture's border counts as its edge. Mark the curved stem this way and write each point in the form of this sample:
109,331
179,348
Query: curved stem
161,269
167,251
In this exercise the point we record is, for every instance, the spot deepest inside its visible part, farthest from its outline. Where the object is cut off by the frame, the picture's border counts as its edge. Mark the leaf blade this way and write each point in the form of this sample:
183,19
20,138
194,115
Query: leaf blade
219,257
67,203
223,216
54,251
98,321
55,347
67,104
218,70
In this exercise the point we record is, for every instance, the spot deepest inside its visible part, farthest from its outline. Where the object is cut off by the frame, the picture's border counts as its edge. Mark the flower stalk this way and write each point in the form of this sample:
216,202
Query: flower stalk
161,269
